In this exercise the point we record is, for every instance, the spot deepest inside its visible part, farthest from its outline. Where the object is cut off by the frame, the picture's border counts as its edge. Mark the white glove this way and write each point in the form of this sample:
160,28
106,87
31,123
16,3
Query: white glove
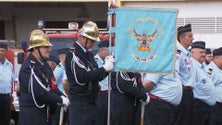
109,60
65,101
15,101
147,99
14,95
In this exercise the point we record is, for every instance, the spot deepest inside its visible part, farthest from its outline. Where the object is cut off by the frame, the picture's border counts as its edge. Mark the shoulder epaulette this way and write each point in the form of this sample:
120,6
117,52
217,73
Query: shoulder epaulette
178,51
72,49
33,62
210,71
96,59
59,65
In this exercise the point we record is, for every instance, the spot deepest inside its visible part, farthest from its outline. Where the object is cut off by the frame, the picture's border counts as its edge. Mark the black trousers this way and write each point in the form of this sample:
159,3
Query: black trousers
101,108
216,114
5,109
82,114
184,111
123,109
159,113
201,115
54,118
32,116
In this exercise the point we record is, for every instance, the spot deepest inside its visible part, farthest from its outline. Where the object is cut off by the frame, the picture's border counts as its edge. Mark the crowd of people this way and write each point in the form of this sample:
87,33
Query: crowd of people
77,83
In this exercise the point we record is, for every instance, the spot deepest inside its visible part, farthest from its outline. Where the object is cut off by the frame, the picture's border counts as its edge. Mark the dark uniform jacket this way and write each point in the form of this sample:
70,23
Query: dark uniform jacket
83,76
35,97
127,91
126,87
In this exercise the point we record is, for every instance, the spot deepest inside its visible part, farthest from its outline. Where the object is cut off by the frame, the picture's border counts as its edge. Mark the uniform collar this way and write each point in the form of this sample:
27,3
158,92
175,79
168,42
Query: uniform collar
202,66
41,62
62,65
99,58
6,62
214,66
182,49
84,50
35,60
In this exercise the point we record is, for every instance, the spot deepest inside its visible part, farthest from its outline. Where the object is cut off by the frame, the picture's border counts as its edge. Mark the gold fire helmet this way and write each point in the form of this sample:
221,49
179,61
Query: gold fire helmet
38,38
90,30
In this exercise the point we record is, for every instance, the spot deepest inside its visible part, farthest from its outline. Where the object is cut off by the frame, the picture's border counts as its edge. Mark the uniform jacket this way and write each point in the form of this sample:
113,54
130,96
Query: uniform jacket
44,74
83,75
35,97
128,86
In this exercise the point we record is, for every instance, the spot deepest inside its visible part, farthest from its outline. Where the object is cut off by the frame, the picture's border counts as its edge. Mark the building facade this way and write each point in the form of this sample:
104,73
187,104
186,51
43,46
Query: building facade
18,18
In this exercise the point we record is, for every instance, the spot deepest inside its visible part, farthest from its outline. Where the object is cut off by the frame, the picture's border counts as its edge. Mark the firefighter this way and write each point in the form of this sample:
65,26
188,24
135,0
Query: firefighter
84,76
60,73
127,92
204,90
209,56
184,111
165,91
6,79
102,99
61,78
37,86
214,70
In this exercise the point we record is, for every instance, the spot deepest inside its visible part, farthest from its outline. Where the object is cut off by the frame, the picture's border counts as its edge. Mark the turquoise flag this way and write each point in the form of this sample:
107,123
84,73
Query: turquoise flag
145,39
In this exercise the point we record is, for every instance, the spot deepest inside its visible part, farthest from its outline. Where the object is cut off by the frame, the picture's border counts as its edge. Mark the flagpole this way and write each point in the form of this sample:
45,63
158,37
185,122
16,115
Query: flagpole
142,113
109,99
111,23
109,77
61,115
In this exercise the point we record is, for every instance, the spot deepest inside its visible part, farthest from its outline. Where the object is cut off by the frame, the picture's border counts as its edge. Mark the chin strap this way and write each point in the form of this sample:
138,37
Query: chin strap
41,55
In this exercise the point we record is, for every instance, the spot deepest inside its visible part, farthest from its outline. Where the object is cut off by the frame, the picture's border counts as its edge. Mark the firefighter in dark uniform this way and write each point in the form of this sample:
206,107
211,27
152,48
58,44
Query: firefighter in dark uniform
84,76
37,87
126,97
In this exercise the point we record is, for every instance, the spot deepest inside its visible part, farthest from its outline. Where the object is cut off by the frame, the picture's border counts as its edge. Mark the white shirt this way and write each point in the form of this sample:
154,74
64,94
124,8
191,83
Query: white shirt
167,87
6,77
185,69
204,87
216,76
104,83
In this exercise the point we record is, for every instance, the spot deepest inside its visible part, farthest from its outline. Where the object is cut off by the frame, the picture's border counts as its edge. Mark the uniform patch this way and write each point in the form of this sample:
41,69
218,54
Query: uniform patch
204,81
178,51
186,62
210,71
53,83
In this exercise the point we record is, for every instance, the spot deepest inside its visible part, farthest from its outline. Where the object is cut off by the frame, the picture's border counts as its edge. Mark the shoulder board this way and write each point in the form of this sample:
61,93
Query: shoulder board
96,59
210,71
72,49
178,51
31,61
